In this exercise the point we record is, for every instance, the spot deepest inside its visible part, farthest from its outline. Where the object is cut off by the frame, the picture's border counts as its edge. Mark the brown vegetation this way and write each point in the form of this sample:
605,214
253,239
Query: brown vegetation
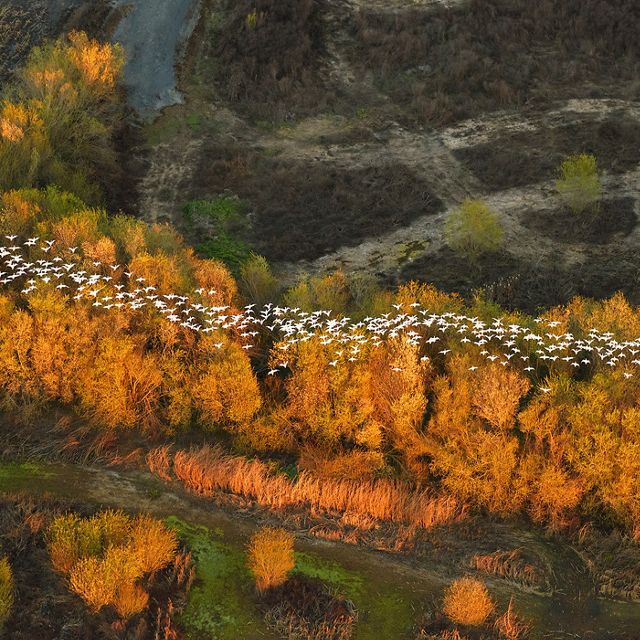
208,470
507,564
509,626
305,609
455,62
269,53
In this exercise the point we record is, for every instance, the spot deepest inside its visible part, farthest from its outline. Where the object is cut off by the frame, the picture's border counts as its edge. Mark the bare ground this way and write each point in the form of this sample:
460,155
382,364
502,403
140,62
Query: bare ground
353,183
294,175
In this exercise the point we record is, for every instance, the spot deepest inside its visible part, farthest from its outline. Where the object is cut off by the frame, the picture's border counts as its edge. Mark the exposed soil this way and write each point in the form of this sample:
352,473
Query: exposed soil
610,218
369,191
525,157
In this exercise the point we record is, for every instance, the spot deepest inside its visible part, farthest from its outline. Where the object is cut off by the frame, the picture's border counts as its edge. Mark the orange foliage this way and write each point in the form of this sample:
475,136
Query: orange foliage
98,64
467,601
105,557
497,395
160,269
208,470
214,277
270,557
227,389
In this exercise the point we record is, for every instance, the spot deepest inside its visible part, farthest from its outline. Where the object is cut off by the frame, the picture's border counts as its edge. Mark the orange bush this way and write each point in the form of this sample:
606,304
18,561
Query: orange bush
270,557
105,556
467,601
152,544
98,580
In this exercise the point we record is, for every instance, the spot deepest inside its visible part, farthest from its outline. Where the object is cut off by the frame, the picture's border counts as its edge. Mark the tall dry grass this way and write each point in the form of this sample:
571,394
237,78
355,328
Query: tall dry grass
208,469
509,626
507,564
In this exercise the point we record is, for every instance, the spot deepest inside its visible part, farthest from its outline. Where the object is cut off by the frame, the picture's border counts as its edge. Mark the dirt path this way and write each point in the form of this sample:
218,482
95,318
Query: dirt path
429,155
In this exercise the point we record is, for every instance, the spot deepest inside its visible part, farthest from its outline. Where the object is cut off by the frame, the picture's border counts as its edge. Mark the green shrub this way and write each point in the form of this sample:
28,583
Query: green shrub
226,215
474,229
69,538
232,251
6,590
257,282
579,184
219,210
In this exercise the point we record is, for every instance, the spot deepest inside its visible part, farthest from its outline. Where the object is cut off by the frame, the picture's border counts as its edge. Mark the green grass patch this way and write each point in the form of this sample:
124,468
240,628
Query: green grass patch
15,475
225,215
220,210
350,583
194,122
221,603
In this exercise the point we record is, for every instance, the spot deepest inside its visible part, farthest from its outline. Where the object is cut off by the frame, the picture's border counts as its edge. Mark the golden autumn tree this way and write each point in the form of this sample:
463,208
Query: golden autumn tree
56,127
397,385
327,401
475,464
497,395
225,391
122,386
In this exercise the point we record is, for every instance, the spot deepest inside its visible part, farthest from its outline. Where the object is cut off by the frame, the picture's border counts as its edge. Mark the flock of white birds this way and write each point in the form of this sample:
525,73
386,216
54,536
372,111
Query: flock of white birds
532,350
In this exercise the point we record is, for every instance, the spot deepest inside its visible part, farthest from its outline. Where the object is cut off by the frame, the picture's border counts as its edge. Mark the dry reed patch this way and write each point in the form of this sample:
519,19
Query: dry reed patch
306,609
208,470
467,601
509,626
508,564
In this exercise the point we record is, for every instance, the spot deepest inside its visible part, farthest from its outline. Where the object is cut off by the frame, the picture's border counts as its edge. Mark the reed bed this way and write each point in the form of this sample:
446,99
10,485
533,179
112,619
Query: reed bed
507,564
209,469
